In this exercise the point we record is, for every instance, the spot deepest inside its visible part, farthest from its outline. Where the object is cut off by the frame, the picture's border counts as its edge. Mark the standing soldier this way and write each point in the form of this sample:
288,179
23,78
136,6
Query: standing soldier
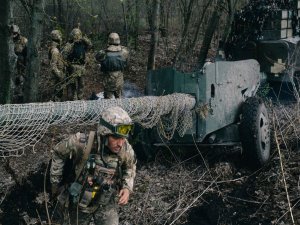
57,64
105,168
75,54
113,61
20,47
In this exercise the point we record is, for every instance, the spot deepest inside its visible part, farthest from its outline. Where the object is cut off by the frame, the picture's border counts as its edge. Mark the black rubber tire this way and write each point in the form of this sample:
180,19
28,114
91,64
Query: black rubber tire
255,133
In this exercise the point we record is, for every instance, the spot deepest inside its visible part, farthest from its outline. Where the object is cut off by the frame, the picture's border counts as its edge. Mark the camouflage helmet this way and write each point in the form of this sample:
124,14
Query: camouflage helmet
114,39
15,29
115,121
56,35
76,34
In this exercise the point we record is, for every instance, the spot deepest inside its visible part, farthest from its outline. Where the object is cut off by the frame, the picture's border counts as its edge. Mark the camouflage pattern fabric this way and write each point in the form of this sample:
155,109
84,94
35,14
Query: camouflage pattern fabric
113,115
75,82
104,207
20,48
75,70
104,215
113,82
57,66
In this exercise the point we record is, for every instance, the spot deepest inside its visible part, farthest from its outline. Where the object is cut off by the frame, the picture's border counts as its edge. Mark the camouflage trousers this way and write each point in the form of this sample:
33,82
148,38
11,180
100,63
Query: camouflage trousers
104,211
58,90
75,82
104,215
113,83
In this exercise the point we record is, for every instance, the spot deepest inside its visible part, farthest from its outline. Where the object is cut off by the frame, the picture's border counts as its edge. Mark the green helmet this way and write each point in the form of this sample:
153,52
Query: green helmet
56,35
15,29
76,34
115,121
114,39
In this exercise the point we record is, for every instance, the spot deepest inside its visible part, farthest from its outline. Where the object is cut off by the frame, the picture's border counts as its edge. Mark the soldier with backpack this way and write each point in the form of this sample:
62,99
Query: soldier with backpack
74,53
113,61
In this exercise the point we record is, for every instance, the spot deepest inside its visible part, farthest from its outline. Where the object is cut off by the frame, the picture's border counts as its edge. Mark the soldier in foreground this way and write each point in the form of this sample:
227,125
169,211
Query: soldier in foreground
57,65
74,53
103,178
113,61
20,48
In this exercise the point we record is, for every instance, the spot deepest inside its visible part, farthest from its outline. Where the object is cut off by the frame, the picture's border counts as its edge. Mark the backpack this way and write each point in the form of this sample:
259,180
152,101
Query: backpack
114,61
78,53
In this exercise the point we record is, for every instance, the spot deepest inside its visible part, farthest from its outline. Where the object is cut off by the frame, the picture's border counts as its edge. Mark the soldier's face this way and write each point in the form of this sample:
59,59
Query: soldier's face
115,143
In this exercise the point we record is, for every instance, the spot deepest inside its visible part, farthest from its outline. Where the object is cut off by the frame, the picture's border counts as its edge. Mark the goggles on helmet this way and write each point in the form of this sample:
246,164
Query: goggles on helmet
120,130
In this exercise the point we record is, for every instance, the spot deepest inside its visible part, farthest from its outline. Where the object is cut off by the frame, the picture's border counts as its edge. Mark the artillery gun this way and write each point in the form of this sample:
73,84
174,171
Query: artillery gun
227,111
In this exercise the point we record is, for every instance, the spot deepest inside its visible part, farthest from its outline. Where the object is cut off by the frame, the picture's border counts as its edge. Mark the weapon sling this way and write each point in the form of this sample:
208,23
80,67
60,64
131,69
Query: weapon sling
76,188
86,154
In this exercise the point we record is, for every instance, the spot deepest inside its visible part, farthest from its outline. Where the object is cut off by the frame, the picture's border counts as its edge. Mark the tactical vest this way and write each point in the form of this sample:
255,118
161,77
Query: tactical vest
77,56
114,61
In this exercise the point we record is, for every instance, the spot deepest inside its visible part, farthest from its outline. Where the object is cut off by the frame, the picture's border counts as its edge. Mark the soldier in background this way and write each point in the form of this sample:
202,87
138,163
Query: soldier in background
74,53
20,47
113,62
105,169
57,65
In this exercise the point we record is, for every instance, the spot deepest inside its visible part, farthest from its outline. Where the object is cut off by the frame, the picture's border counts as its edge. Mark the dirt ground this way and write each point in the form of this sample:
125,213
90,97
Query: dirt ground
189,186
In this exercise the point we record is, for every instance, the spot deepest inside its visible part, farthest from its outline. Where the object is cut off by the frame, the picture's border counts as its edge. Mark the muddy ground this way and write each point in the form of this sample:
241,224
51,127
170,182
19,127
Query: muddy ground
189,186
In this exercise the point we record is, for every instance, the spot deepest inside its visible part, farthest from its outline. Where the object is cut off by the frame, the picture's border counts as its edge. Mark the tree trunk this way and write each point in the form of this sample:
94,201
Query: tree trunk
125,22
54,7
210,30
154,35
150,13
231,4
33,59
60,9
198,26
186,13
7,56
137,23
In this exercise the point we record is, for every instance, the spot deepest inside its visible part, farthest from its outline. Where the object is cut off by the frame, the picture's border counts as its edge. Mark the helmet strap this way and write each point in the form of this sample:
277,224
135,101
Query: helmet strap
103,143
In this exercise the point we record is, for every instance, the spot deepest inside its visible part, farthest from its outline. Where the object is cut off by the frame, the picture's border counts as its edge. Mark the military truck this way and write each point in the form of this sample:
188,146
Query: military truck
269,34
228,112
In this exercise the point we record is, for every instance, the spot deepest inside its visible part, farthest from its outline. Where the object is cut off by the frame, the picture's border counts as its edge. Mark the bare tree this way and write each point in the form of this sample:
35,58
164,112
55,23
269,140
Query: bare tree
154,35
199,23
209,32
186,7
231,5
137,23
33,59
7,56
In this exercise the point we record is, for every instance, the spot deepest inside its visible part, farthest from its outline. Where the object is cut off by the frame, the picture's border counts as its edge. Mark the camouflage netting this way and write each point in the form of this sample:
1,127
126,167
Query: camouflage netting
23,125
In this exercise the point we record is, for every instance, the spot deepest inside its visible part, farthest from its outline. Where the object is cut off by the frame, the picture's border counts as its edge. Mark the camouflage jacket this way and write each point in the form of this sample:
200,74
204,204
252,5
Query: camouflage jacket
69,48
73,148
21,48
57,63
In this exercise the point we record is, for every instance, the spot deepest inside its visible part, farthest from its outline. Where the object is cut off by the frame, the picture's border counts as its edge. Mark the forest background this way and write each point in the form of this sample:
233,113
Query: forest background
166,33
177,33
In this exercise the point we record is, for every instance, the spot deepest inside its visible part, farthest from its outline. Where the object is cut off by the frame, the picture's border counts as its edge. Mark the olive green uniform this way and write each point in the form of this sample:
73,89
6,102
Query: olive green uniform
113,172
58,67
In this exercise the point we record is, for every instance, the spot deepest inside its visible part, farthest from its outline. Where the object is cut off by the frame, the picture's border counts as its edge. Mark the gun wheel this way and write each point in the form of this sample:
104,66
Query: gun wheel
255,132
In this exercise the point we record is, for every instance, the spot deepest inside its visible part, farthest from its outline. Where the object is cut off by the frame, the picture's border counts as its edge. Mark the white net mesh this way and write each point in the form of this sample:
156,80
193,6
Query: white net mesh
24,125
